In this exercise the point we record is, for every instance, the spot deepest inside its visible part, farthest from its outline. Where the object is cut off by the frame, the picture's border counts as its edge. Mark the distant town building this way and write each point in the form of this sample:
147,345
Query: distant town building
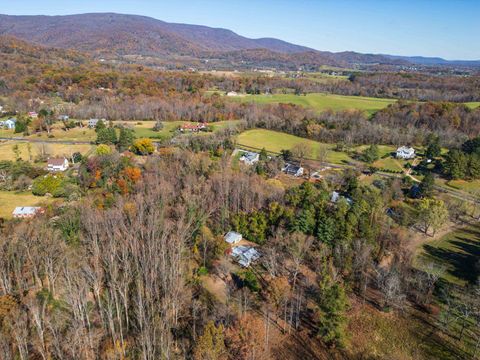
26,211
63,117
405,152
193,127
33,114
57,164
92,123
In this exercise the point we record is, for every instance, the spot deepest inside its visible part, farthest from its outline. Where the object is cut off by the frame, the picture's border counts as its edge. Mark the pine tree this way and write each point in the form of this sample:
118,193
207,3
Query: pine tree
106,136
125,140
332,304
211,345
426,186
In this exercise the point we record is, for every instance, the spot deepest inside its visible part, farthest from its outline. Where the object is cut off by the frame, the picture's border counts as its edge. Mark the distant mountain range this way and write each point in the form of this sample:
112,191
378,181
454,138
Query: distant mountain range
121,35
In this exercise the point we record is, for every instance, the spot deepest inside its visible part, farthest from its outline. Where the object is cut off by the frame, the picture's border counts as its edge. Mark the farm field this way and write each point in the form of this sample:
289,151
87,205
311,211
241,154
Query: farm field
9,200
141,129
6,149
457,251
274,141
321,102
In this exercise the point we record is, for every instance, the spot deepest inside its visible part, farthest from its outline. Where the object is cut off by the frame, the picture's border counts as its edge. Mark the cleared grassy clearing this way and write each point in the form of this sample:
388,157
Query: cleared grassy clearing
471,187
321,102
275,141
9,200
473,105
457,252
6,149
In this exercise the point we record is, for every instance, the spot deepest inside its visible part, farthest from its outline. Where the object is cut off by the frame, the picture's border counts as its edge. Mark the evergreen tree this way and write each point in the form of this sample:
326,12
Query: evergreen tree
371,154
211,345
100,126
456,164
263,154
433,147
332,304
474,166
125,140
426,186
107,136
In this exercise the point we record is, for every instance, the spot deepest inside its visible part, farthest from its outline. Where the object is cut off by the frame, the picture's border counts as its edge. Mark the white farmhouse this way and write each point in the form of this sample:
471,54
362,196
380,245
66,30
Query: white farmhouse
57,164
250,158
291,169
9,124
405,152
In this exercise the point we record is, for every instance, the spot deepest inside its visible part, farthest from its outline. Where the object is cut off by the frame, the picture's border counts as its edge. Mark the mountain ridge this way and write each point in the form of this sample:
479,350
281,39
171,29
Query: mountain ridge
124,34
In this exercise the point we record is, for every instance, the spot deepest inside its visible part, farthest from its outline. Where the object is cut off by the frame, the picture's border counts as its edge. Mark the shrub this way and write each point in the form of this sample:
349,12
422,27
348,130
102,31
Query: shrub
249,280
143,147
49,184
103,149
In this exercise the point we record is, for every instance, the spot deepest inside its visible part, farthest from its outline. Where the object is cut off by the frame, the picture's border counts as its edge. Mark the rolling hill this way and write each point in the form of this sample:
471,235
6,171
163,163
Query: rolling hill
117,34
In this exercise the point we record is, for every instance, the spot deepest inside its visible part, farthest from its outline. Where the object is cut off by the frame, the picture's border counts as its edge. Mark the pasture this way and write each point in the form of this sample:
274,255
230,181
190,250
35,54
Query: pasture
9,200
274,141
321,102
36,149
457,252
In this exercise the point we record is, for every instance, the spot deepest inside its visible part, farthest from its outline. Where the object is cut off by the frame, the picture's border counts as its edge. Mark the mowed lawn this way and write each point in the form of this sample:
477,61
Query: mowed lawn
274,141
9,200
7,153
321,102
457,252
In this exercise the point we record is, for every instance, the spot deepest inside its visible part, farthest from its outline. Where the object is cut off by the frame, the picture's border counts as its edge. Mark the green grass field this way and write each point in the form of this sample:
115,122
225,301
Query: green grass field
457,252
473,105
9,200
6,149
142,129
472,187
321,102
275,141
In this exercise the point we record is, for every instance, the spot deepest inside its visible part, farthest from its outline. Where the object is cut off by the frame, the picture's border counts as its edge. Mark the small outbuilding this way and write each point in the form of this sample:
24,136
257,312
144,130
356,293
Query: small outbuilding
233,237
22,212
93,123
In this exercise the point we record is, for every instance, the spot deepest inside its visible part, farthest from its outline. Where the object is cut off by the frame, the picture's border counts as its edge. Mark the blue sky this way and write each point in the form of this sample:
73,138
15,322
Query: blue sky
446,28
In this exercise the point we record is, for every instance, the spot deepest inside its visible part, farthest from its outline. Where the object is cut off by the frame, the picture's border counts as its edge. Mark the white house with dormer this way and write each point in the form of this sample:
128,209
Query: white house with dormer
57,164
405,152
250,158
